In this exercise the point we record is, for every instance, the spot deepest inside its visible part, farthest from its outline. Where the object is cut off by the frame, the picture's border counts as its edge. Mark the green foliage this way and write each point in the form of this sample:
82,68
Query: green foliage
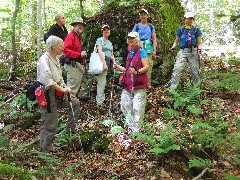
49,159
170,112
225,82
16,110
114,128
236,159
210,134
199,162
230,177
4,141
8,127
167,141
94,141
9,171
187,99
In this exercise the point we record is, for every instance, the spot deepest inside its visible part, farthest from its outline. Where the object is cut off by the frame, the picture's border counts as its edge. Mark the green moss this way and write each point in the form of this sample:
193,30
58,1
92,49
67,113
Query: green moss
9,171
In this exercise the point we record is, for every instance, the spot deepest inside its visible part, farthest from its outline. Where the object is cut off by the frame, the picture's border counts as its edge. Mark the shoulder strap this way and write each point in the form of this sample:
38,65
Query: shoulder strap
195,30
151,26
181,31
137,27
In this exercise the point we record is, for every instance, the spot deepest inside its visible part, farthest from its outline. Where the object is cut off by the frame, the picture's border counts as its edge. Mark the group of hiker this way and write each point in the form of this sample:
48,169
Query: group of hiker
65,47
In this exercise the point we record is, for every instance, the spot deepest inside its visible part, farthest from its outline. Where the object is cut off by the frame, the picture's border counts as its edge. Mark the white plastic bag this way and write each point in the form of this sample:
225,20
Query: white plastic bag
96,64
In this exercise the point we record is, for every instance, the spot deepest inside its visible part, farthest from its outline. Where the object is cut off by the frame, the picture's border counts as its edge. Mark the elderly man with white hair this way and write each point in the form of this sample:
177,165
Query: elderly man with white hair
59,28
49,74
133,98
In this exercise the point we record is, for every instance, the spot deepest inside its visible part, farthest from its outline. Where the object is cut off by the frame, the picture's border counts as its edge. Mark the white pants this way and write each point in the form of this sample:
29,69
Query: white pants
133,107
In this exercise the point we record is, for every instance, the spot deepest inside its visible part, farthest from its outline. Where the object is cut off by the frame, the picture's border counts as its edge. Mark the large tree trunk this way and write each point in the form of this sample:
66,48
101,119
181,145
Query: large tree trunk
33,20
45,15
81,9
12,76
39,34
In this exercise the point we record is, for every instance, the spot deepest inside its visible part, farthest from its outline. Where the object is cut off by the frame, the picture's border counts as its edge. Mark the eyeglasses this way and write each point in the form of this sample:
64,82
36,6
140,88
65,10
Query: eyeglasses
131,37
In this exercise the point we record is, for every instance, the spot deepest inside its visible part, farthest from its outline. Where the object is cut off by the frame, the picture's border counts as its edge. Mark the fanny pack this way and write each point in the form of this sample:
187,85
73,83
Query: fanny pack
148,46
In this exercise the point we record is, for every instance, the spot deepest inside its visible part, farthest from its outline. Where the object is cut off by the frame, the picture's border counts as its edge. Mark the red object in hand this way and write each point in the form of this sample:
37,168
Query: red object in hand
59,93
41,97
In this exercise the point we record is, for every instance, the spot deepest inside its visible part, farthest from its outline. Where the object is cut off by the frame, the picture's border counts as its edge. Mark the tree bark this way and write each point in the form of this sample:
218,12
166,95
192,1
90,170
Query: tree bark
12,76
33,19
39,30
81,9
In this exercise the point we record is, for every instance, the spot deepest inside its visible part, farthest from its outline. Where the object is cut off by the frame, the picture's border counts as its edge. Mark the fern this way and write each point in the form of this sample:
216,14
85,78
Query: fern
236,159
187,97
230,177
164,143
109,123
194,110
227,82
117,129
7,127
169,112
199,162
165,150
4,141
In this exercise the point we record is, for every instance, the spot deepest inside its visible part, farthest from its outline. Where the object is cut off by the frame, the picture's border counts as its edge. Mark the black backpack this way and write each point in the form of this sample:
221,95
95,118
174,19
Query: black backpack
30,88
47,34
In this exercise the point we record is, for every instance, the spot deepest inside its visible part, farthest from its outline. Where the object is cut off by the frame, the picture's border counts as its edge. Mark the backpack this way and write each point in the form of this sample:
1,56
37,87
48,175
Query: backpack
149,24
47,34
188,34
30,88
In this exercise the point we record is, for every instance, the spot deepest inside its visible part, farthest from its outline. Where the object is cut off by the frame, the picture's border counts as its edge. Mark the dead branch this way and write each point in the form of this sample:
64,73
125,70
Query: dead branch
203,172
9,100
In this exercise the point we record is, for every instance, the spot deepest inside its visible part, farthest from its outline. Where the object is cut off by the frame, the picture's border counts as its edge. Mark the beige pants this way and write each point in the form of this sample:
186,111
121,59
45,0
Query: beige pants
101,83
76,79
183,58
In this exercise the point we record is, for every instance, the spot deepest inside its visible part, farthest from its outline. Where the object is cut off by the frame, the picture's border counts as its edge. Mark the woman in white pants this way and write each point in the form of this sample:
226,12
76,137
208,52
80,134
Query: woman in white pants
133,98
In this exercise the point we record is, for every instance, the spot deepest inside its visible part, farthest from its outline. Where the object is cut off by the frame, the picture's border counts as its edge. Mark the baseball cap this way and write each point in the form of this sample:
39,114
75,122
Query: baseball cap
133,34
188,15
143,10
105,26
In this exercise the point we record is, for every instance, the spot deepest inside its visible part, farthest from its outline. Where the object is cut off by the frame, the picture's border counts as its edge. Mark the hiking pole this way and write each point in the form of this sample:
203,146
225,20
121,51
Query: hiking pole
86,74
111,95
73,114
74,118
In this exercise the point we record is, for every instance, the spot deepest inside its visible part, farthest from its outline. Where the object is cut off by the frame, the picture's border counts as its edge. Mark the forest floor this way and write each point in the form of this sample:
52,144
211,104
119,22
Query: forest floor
111,158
